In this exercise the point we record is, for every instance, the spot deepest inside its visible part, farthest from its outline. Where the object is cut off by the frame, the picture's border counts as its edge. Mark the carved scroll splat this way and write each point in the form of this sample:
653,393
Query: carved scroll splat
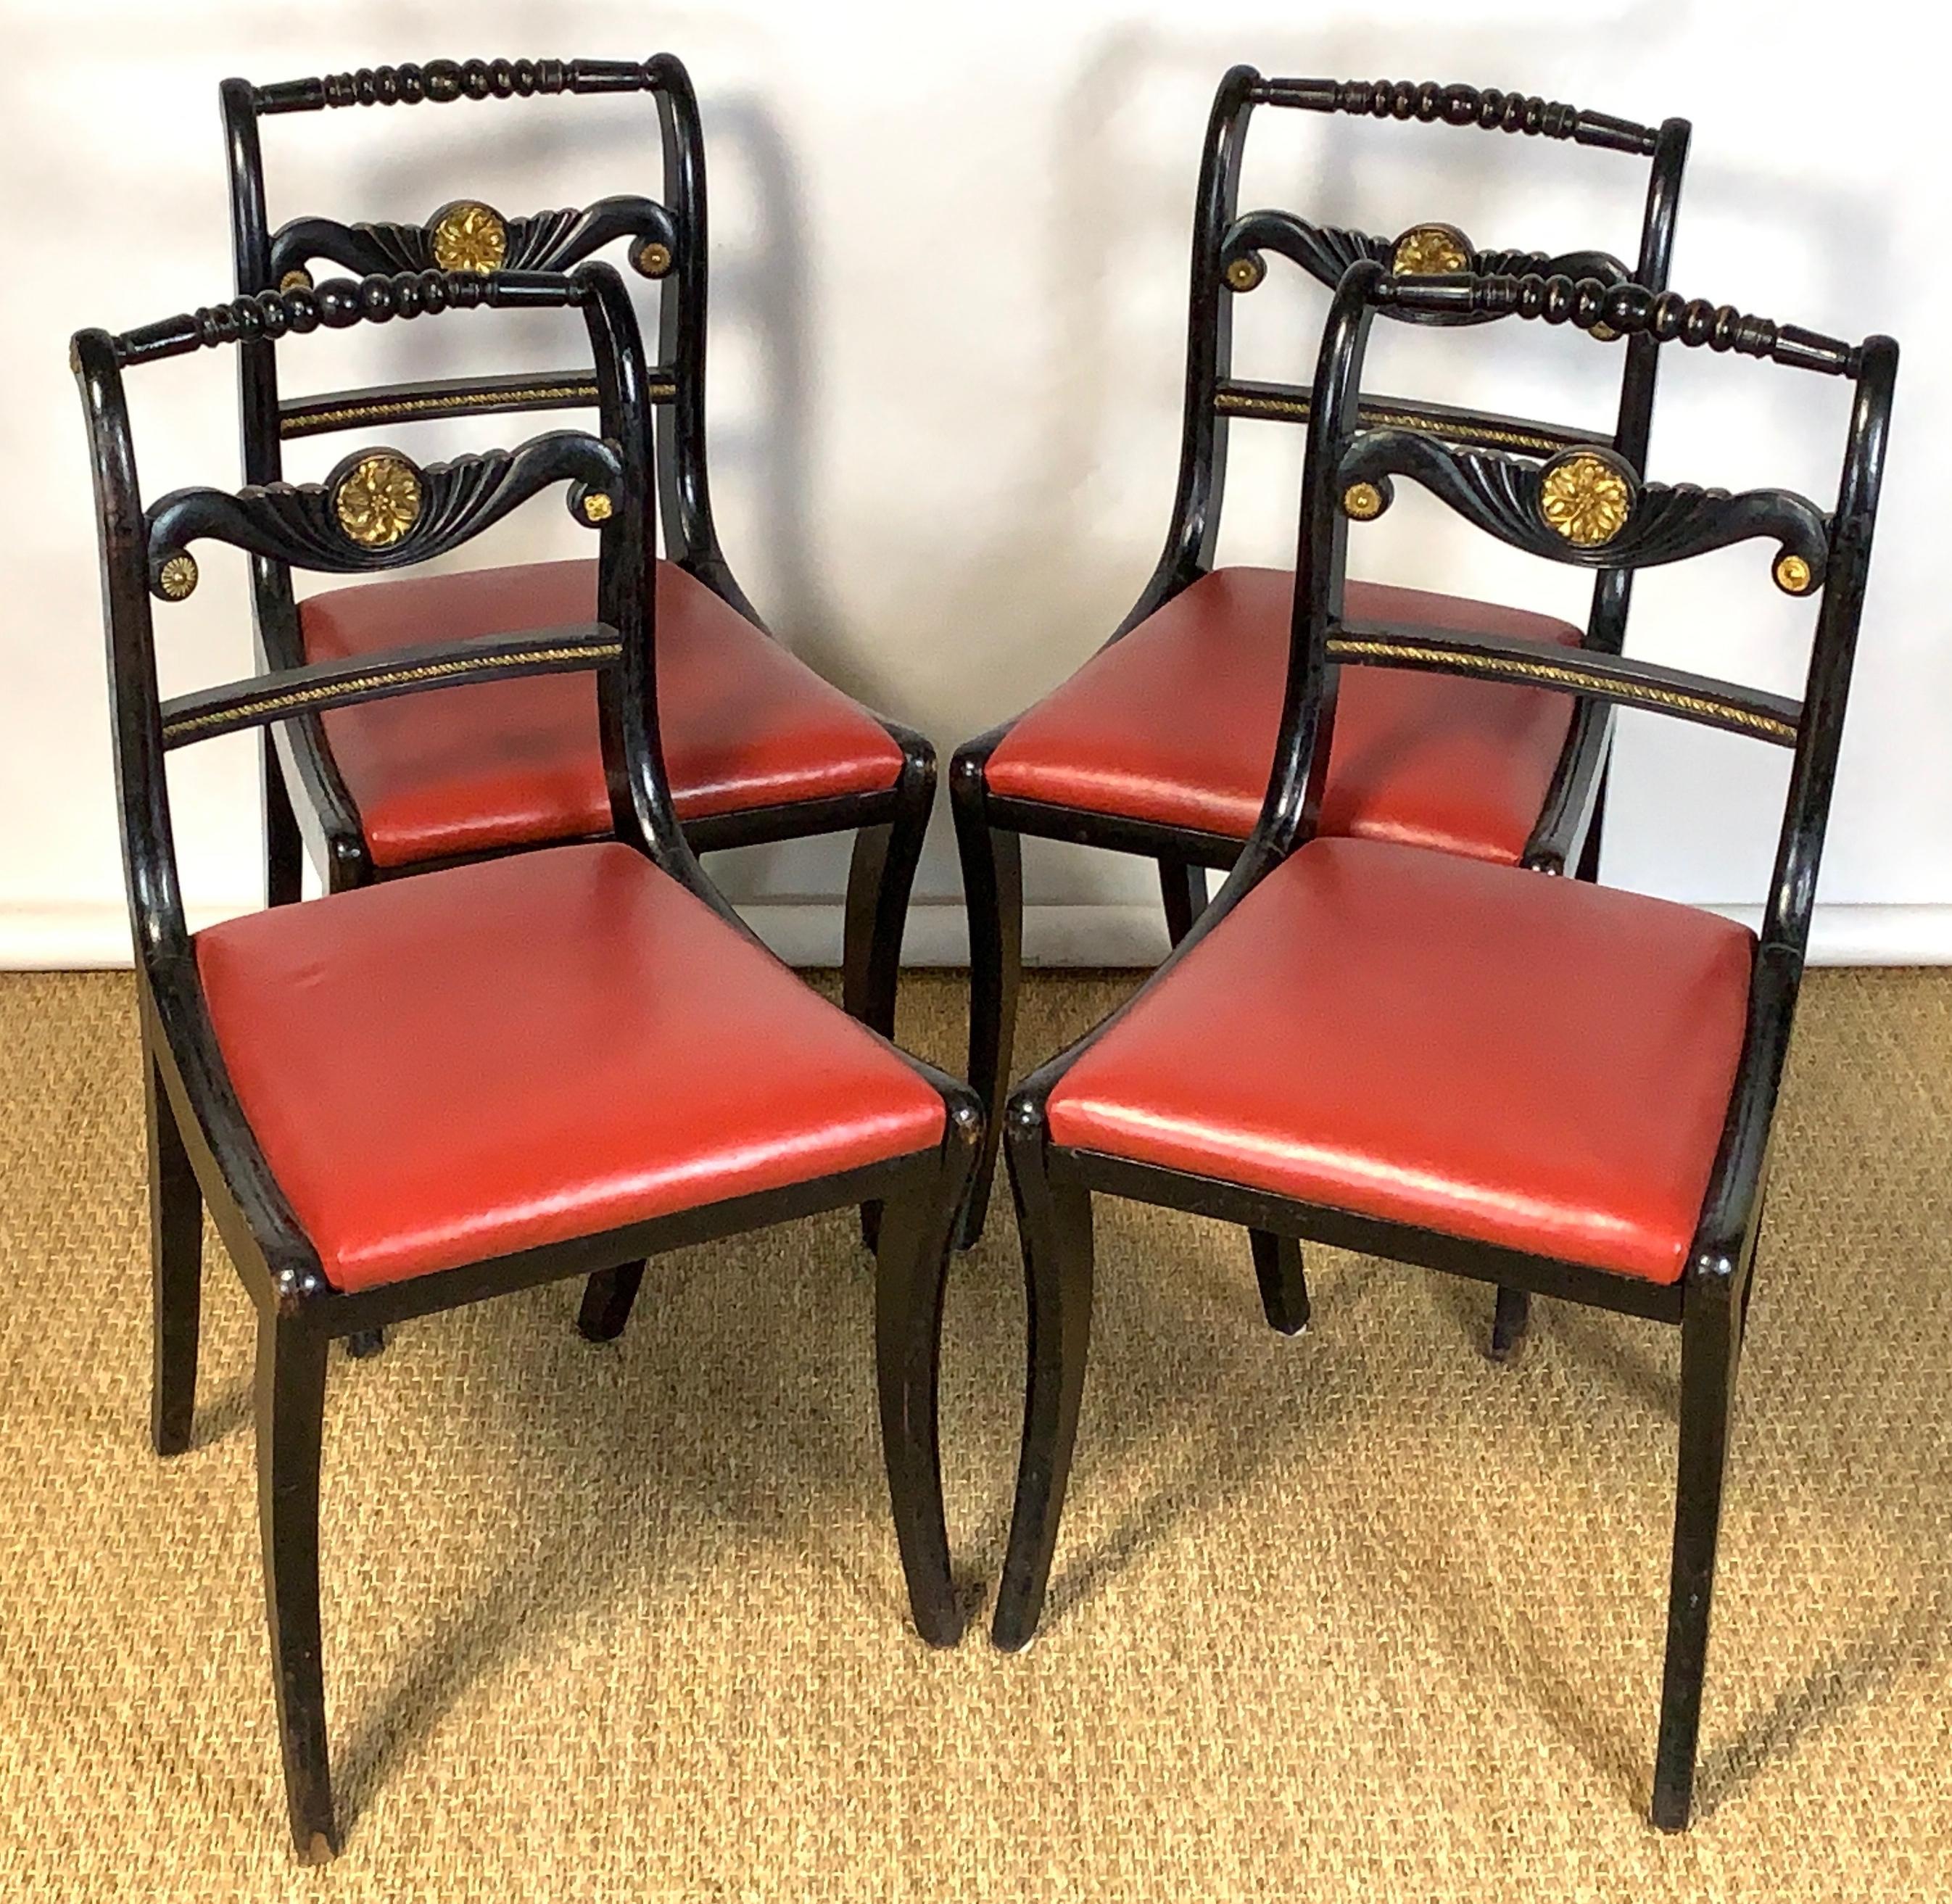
468,235
1597,518
1326,251
379,510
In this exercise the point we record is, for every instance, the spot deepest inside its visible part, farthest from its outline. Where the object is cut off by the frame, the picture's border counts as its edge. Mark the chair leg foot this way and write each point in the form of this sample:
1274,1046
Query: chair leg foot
1710,1350
1510,1322
607,1300
1056,1222
175,1261
1277,1267
363,1344
290,1409
911,1270
993,884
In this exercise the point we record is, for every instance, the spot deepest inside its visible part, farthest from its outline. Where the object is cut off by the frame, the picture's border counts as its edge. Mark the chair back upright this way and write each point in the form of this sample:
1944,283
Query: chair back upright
665,240
1230,251
378,511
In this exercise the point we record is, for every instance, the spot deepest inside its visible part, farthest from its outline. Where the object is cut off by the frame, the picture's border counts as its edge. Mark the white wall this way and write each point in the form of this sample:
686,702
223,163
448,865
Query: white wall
950,259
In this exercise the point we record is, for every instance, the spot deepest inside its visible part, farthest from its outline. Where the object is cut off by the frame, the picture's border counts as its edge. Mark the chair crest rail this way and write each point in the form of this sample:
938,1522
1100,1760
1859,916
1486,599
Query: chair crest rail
1586,506
337,305
1699,697
441,82
1487,108
1627,310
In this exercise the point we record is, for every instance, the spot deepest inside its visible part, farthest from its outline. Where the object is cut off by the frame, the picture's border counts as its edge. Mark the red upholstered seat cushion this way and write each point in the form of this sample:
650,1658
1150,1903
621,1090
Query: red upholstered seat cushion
1493,1053
1175,724
498,764
445,1069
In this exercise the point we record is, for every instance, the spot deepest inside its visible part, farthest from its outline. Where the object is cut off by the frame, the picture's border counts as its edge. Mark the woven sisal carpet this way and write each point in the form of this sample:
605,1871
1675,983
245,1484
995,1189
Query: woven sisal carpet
1354,1616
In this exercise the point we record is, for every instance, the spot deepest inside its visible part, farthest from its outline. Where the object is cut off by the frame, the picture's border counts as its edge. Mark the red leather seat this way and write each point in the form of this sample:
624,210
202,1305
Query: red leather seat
500,763
1493,1053
445,1069
1175,724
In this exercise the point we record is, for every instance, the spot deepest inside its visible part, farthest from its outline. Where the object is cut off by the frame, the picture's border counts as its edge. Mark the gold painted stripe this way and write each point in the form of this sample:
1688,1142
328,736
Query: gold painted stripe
1645,692
243,711
1247,403
305,423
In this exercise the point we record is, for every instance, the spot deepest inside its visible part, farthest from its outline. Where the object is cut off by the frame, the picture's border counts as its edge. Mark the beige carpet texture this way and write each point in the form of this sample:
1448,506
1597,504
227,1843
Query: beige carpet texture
1357,1615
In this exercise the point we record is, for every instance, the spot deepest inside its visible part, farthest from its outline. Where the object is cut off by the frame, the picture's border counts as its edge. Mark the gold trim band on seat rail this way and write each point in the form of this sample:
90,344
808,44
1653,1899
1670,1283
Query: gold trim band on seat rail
306,422
1646,693
245,712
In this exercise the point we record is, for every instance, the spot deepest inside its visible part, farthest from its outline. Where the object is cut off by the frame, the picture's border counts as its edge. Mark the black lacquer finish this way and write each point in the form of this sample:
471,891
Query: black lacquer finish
1709,1302
1230,254
663,240
202,1149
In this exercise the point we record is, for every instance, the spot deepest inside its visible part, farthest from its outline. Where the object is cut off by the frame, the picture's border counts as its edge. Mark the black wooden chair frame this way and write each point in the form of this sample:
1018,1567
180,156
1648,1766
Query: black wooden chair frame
1502,495
667,242
202,1149
1229,260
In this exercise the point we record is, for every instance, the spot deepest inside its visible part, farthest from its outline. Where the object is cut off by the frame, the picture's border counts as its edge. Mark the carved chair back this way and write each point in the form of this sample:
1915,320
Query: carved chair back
377,511
665,240
1588,506
1230,255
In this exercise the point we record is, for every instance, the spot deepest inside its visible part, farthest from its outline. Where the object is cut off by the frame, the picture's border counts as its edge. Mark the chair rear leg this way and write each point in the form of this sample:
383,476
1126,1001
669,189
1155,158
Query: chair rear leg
1512,1316
1710,1348
607,1298
1277,1267
176,1266
1054,1220
1183,886
879,882
1510,1321
993,886
284,849
911,1269
291,1406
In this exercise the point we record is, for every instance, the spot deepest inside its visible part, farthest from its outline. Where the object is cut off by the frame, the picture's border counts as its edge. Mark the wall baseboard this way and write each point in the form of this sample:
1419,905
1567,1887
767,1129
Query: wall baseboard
85,936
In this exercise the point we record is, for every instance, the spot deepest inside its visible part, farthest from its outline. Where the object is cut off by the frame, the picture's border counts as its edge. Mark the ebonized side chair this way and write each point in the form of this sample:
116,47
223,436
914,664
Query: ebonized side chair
1160,744
1541,1084
760,748
402,1098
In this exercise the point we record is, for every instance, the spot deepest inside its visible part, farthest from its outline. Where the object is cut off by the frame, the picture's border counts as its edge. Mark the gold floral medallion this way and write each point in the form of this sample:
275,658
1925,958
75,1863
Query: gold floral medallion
1362,502
469,237
378,500
1585,498
177,577
1792,575
1430,251
652,258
